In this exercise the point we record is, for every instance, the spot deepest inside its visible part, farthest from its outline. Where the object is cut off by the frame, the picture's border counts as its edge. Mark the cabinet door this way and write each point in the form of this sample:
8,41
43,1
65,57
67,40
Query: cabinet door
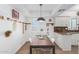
61,21
58,22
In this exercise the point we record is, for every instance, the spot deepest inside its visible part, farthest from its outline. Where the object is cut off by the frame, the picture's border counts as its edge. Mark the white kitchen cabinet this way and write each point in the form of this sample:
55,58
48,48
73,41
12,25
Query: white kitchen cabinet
66,41
75,39
63,41
58,23
61,21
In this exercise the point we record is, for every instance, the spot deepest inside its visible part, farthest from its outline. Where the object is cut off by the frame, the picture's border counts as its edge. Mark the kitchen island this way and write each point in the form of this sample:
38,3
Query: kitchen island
66,40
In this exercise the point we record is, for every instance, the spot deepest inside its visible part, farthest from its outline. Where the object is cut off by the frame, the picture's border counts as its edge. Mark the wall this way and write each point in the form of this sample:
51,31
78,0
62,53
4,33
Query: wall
17,38
5,10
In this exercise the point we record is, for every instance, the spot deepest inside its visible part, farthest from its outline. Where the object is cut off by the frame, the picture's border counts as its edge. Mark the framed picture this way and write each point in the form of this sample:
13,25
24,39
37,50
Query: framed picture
15,14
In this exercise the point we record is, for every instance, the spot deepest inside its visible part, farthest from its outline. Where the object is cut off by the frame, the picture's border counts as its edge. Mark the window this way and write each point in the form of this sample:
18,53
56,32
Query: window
35,25
72,24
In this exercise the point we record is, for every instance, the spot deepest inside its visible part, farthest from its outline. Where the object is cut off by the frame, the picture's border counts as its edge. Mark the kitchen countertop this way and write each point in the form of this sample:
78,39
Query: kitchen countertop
67,33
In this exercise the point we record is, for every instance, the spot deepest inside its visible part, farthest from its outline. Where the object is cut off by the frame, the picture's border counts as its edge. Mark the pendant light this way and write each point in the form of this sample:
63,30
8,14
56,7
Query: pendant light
40,18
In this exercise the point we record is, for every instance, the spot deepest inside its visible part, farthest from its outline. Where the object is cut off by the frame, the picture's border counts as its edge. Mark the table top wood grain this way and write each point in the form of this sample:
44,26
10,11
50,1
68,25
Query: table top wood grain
41,42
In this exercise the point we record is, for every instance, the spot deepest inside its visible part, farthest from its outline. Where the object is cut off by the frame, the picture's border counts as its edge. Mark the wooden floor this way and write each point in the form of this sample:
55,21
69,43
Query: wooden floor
26,48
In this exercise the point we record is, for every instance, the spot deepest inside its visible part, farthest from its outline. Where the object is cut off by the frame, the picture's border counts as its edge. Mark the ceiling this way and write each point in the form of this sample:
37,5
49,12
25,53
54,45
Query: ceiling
48,10
71,12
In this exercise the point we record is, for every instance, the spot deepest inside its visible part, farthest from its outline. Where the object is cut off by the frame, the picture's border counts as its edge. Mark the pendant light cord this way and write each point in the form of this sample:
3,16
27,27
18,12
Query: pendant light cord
41,18
40,10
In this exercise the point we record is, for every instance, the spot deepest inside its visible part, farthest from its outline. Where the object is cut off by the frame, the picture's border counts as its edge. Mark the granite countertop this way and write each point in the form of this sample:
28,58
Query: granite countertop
67,33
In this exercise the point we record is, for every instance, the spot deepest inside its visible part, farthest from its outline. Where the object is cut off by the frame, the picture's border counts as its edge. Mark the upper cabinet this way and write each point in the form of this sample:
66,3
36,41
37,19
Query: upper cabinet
61,21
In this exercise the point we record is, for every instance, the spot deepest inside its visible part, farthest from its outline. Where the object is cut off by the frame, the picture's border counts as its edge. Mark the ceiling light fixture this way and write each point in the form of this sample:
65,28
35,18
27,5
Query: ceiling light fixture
40,18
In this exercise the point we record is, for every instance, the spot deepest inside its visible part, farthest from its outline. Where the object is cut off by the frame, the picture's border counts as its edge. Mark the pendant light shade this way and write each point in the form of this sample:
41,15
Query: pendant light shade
40,18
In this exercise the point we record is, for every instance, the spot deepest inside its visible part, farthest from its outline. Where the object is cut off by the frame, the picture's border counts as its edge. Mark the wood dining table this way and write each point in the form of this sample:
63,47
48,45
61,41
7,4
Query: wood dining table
42,43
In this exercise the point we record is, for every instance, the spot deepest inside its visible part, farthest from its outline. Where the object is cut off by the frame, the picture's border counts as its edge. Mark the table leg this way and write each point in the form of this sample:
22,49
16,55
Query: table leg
53,50
30,50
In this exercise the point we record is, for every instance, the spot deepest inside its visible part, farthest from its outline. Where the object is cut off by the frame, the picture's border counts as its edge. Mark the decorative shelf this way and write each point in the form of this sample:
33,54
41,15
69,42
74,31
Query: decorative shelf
17,21
49,23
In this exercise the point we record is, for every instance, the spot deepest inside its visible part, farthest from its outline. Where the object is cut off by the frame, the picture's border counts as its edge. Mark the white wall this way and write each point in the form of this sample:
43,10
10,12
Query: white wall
5,10
17,38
